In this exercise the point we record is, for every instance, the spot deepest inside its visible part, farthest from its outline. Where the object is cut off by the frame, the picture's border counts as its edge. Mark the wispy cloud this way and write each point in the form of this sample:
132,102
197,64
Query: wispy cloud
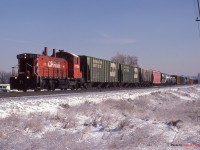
108,39
16,40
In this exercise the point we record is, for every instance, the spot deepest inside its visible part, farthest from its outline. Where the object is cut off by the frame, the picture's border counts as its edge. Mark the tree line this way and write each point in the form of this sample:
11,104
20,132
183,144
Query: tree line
5,77
125,59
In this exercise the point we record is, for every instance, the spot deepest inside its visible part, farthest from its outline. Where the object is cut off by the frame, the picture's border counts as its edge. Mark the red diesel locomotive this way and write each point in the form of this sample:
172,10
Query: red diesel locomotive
60,70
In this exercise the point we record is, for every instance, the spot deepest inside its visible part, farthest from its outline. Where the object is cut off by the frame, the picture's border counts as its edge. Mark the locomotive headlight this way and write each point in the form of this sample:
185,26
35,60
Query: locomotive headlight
27,77
15,77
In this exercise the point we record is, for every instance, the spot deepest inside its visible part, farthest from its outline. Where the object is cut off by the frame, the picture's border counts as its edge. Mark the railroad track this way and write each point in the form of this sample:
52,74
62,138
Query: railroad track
57,92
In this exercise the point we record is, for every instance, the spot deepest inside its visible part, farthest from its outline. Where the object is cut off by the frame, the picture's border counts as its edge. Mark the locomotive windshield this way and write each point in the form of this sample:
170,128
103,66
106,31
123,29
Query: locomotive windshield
26,64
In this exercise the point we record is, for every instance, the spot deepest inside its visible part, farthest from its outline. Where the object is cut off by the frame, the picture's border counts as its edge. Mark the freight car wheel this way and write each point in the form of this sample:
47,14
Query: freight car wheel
88,86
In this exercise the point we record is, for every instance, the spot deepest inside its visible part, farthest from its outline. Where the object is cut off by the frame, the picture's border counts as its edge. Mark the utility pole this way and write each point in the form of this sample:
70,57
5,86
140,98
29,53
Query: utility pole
198,18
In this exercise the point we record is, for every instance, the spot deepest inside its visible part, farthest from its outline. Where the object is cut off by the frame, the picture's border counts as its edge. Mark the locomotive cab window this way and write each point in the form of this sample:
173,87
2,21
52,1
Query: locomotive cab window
76,60
26,66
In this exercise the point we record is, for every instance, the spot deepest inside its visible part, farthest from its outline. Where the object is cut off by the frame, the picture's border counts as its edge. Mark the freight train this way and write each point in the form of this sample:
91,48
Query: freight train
64,70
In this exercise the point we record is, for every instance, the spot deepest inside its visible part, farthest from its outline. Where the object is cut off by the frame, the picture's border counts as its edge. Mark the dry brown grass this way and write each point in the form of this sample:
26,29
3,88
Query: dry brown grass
34,123
111,124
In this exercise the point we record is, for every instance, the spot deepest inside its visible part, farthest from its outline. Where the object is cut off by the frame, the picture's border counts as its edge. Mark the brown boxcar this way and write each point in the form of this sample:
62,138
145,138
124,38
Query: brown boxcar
191,81
156,77
196,81
146,77
178,79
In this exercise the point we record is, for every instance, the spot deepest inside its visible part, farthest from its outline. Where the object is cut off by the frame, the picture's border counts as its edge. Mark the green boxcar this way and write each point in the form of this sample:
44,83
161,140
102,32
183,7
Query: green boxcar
97,70
136,75
126,73
129,74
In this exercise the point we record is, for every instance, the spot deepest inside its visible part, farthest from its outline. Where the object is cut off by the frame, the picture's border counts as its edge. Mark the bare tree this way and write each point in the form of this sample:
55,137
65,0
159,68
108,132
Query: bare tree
119,58
132,60
129,59
4,77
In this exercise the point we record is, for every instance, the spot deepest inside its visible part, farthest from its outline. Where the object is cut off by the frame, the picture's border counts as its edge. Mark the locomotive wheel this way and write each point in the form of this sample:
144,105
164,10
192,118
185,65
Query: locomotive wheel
25,90
35,90
76,86
51,86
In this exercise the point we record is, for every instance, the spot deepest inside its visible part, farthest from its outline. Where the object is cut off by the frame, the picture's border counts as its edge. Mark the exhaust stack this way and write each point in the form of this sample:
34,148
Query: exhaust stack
54,52
45,53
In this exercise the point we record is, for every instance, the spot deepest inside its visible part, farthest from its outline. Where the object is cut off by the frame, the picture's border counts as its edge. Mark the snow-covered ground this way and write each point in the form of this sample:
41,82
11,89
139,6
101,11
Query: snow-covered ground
154,118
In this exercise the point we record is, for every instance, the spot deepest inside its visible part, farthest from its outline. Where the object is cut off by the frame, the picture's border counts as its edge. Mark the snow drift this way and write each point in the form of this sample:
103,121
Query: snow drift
129,119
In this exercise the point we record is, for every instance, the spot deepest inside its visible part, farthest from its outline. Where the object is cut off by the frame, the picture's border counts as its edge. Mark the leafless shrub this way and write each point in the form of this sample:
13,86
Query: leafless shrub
124,106
176,123
87,109
69,123
66,106
142,104
34,123
9,124
122,124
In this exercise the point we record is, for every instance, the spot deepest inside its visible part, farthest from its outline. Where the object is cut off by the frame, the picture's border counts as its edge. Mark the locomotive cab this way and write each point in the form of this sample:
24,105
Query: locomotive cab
26,77
74,70
26,64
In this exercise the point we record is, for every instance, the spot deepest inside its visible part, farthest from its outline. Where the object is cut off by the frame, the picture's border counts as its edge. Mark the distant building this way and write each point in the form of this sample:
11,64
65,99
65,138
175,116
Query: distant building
199,78
5,87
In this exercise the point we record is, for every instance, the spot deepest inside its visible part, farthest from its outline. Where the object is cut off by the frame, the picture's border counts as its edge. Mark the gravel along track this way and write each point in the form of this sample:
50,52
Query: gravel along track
32,93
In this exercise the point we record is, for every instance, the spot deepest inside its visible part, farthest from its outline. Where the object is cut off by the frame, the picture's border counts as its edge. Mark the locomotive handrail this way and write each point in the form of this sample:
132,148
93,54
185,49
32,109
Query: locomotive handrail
29,65
13,70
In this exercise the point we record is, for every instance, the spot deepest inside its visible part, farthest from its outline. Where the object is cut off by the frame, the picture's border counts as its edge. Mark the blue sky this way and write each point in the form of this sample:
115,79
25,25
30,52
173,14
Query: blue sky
163,34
